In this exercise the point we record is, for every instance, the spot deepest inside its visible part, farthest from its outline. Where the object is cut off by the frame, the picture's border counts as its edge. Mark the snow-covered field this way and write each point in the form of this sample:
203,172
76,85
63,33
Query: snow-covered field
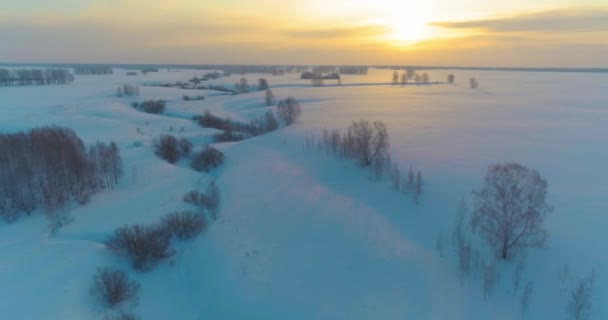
302,235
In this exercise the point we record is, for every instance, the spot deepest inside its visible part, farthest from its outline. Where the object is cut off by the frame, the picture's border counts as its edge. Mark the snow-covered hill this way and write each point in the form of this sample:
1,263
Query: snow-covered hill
303,235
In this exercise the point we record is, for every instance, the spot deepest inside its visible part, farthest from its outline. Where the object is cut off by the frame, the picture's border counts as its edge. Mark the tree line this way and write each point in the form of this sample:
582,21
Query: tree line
25,77
50,166
82,70
368,144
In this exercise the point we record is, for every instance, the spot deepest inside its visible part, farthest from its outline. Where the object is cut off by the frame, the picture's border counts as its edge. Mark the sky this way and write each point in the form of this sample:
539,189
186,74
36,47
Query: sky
513,33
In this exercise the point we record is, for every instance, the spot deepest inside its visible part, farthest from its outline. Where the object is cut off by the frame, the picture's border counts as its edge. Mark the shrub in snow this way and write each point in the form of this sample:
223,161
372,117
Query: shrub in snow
153,106
184,224
229,136
113,287
207,159
167,147
185,147
143,245
209,200
510,208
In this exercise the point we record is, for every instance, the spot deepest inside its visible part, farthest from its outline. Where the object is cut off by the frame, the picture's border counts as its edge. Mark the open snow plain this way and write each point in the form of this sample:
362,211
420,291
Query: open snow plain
303,235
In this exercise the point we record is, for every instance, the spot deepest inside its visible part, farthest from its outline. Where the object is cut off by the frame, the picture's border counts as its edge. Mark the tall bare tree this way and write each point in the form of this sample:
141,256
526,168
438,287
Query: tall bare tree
510,208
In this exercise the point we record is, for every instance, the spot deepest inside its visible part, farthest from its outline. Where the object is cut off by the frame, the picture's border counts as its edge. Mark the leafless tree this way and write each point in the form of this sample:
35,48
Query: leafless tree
395,78
269,98
370,141
525,298
396,177
289,110
113,287
510,208
580,304
451,78
490,278
263,84
418,187
404,78
439,244
473,83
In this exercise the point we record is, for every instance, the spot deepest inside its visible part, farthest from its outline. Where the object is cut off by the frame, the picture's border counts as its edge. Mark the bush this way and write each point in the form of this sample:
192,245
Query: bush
185,147
113,287
143,245
210,200
153,106
184,225
167,147
229,136
207,159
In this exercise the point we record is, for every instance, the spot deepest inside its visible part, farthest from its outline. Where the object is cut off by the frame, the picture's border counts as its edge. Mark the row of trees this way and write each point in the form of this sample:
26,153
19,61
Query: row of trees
368,143
82,70
24,77
51,166
287,113
410,74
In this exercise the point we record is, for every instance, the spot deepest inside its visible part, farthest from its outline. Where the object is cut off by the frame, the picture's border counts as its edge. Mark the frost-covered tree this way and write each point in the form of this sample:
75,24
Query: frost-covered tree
510,208
289,110
370,140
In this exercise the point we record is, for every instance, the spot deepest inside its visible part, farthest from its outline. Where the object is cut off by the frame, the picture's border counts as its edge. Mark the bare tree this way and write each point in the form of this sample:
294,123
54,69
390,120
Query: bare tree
404,78
370,141
167,147
396,177
517,273
473,83
579,305
490,278
510,208
451,78
269,97
439,244
395,78
418,187
289,110
525,298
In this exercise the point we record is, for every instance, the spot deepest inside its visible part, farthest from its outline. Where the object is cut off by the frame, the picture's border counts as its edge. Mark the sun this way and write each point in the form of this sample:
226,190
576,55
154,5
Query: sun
407,21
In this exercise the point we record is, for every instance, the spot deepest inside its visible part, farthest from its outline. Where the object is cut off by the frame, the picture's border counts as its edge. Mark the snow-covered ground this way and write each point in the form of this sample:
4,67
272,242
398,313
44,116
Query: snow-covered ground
303,235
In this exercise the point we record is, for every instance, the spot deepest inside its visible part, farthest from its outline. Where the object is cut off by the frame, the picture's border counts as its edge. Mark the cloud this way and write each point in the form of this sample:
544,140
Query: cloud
338,32
554,21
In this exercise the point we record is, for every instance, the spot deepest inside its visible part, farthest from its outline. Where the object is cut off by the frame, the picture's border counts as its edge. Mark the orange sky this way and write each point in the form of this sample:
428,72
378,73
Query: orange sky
558,33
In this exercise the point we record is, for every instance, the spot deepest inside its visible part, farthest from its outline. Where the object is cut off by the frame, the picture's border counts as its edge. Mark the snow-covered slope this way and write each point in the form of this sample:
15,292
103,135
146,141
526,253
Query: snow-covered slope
302,235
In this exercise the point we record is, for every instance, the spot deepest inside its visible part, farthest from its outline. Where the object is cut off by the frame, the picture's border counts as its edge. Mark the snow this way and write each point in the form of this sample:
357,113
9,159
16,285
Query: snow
302,235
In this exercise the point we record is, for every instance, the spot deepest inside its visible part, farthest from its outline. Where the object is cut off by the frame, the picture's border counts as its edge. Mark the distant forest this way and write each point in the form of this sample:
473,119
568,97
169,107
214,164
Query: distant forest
27,77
